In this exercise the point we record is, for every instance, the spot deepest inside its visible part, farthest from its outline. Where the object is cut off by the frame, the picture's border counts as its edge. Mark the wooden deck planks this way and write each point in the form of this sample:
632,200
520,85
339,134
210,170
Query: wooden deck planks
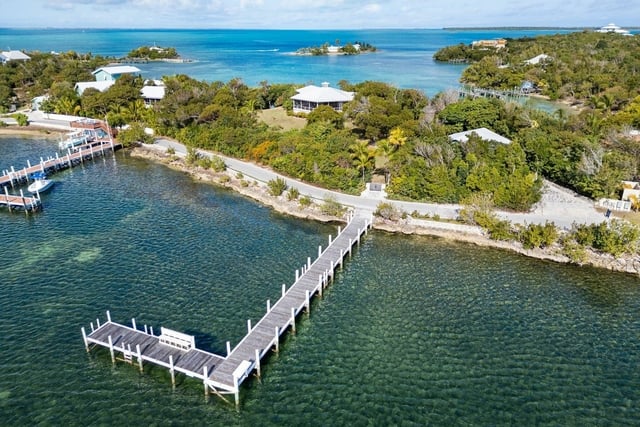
260,338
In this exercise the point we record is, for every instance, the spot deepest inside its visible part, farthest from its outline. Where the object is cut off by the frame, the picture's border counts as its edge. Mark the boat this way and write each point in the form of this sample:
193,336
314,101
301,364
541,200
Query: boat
613,28
40,183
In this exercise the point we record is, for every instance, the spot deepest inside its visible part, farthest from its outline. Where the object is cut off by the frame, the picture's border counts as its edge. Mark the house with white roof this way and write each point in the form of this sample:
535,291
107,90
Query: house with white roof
537,59
13,55
483,133
310,97
114,72
152,94
103,85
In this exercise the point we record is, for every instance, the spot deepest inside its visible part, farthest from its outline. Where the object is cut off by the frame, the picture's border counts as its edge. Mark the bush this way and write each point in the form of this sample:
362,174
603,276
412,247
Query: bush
192,156
573,250
332,207
305,201
387,211
293,194
171,150
224,179
538,236
22,119
615,238
277,186
244,183
239,175
500,230
217,164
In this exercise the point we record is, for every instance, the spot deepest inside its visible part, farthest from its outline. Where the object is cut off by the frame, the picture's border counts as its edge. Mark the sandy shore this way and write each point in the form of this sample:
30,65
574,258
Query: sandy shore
33,131
259,192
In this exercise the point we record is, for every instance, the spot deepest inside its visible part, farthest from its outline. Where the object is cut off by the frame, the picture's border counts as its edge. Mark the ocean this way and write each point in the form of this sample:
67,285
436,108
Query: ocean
404,59
414,331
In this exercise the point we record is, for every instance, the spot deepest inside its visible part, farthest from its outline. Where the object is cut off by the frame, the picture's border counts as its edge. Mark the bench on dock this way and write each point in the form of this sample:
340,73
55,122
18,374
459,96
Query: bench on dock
177,339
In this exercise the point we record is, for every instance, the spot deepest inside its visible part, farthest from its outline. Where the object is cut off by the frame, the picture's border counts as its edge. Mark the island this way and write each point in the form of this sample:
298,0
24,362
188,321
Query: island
154,53
350,48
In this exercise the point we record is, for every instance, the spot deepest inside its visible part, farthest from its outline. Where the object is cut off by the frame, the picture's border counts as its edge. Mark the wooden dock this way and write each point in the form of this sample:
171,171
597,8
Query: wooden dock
12,177
224,374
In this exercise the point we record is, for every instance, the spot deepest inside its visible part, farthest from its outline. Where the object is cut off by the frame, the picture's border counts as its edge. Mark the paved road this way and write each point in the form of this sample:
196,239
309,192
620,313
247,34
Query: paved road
558,204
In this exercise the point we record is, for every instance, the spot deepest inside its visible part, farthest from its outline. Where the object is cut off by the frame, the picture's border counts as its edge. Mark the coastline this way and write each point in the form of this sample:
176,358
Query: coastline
466,234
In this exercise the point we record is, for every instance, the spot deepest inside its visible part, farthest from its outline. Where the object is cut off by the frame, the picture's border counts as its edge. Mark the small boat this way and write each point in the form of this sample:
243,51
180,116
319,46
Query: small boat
40,183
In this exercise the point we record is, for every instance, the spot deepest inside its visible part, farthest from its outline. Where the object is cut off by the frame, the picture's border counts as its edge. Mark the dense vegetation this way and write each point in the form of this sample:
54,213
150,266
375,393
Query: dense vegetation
153,53
601,70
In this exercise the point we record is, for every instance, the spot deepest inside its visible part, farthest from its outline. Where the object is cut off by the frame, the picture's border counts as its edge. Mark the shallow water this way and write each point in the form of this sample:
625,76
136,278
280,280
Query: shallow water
414,331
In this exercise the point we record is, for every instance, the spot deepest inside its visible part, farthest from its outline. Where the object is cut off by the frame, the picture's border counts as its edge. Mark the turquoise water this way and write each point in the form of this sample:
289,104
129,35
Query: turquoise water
405,58
414,331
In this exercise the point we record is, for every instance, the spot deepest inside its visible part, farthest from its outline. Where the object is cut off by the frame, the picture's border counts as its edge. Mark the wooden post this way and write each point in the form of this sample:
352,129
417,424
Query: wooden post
308,262
248,326
146,331
320,285
329,239
28,164
268,305
84,338
113,356
92,330
297,275
108,317
205,374
98,323
69,157
133,322
236,393
319,251
139,357
284,289
81,155
173,374
307,297
6,193
258,363
228,348
339,230
277,340
293,319
150,330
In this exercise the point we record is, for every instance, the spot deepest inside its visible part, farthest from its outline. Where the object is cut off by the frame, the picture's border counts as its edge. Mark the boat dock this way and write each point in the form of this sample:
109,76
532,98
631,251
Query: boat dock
13,177
223,375
505,95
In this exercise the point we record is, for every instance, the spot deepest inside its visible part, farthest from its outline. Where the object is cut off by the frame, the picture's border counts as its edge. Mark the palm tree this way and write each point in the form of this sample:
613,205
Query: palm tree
362,156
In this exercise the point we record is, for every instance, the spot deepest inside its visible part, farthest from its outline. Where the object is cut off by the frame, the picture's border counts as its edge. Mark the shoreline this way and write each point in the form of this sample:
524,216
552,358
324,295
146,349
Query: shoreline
465,234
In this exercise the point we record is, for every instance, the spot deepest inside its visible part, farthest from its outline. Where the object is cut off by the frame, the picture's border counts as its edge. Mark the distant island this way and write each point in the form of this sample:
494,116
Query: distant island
354,48
154,53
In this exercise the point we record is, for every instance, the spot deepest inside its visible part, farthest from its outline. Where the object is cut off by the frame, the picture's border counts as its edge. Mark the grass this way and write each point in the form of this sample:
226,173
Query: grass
278,117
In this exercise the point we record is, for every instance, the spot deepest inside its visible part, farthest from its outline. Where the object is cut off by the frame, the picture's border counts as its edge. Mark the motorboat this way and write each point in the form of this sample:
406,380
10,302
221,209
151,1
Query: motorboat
40,183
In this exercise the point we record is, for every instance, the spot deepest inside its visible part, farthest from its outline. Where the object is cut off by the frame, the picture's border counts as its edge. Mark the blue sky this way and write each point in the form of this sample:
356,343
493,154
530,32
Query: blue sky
316,14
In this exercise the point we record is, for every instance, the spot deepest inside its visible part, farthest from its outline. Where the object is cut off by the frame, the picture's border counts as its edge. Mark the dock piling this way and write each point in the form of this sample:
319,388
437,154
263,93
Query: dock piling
139,357
84,338
113,356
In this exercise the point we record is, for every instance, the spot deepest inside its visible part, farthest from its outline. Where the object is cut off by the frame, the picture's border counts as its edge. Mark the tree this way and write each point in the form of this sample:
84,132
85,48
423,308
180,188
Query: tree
362,156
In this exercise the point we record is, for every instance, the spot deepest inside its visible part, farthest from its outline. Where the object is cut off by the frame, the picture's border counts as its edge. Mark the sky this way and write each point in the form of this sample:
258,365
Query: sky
316,14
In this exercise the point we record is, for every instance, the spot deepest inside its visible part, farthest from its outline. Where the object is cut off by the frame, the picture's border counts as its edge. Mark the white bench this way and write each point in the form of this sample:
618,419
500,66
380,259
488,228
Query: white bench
177,339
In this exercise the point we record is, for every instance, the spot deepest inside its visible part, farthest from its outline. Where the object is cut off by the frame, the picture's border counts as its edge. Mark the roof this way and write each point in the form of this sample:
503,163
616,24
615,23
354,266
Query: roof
118,69
322,94
483,133
80,87
14,55
537,59
152,92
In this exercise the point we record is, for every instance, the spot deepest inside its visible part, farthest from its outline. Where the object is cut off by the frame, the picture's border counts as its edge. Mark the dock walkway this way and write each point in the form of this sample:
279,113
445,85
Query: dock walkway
12,177
225,374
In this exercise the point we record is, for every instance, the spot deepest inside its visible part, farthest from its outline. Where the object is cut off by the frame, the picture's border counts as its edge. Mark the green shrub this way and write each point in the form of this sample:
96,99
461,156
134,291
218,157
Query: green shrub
387,211
22,119
277,186
573,250
615,237
305,201
538,236
332,207
192,156
500,230
293,194
171,150
239,175
224,179
244,183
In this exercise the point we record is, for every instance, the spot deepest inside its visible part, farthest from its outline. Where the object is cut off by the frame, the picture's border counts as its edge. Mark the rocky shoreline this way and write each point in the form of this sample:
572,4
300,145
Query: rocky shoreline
258,191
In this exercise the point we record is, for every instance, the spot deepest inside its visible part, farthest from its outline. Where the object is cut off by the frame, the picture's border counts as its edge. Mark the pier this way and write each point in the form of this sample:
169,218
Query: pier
505,95
15,177
223,375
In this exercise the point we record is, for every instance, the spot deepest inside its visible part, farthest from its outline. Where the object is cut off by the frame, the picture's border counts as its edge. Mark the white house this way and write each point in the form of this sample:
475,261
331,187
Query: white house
13,55
484,134
114,72
310,97
537,59
103,85
152,94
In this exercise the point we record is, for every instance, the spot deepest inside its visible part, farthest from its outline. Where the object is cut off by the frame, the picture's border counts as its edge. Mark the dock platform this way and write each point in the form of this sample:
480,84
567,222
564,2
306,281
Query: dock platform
224,374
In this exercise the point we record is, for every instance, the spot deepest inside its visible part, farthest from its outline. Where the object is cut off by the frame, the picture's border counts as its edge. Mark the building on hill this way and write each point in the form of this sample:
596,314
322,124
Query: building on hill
483,133
489,44
311,97
13,55
152,94
114,72
538,59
